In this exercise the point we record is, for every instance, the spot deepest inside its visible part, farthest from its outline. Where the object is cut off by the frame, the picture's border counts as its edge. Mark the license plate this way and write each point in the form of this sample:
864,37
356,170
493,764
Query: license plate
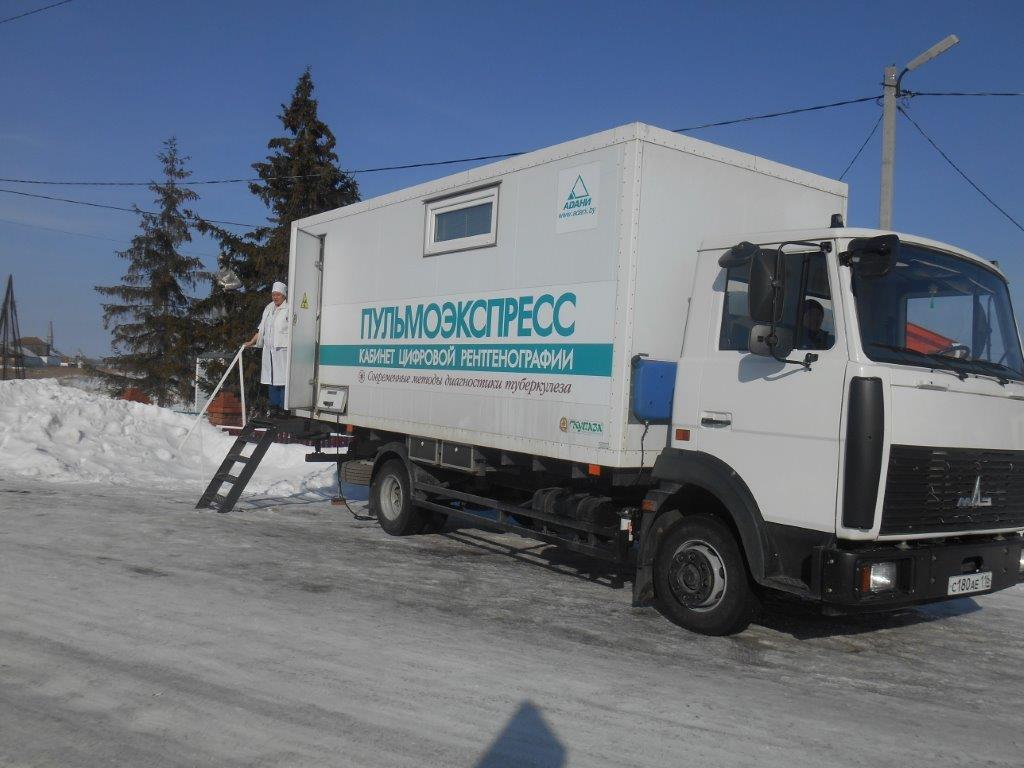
971,582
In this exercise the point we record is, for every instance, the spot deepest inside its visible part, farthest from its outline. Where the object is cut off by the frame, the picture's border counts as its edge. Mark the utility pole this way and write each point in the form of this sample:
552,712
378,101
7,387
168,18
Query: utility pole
891,84
888,147
12,362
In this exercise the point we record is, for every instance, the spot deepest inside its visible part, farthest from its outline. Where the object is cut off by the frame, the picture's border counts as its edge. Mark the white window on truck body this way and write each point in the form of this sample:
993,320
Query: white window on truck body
463,221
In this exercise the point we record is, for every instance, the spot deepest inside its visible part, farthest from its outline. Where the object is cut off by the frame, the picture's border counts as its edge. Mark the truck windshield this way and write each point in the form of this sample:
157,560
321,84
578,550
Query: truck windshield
939,311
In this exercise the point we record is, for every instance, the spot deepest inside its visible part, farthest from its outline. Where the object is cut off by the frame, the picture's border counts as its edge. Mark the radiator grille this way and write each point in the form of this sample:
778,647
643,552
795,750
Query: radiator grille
931,490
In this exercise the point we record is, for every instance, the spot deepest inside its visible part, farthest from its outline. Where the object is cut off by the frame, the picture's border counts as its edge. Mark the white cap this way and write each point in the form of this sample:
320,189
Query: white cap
279,287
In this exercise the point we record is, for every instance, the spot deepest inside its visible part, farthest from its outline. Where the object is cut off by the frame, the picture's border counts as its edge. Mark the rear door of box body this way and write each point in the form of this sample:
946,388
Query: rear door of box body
466,345
304,281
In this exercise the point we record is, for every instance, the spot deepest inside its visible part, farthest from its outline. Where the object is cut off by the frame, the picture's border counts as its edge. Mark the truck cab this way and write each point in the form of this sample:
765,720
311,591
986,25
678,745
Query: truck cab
853,400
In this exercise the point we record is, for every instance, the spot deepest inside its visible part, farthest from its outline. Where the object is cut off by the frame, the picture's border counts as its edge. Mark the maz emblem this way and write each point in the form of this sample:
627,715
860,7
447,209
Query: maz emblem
975,499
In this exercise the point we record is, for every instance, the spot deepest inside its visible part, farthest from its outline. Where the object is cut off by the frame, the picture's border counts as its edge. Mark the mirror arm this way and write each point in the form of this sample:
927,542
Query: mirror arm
809,358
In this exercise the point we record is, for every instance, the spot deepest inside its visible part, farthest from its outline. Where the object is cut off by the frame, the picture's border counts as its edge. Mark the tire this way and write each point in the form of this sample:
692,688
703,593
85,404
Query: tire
391,500
701,580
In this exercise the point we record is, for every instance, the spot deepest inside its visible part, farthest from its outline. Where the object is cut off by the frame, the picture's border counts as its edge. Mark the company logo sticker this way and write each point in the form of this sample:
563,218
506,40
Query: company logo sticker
581,427
975,499
578,198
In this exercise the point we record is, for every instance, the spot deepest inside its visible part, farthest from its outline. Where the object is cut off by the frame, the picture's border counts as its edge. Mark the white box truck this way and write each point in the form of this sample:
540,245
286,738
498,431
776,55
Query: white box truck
672,355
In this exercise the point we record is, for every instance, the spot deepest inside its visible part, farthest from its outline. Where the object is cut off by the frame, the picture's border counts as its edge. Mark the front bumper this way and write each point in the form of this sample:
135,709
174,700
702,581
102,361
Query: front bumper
923,571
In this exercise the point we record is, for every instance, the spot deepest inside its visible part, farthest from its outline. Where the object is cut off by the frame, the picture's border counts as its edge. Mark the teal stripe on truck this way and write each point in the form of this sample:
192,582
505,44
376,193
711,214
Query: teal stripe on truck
559,359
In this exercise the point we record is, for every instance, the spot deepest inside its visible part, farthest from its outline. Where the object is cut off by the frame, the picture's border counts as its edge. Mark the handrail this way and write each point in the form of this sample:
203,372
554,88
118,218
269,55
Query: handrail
236,359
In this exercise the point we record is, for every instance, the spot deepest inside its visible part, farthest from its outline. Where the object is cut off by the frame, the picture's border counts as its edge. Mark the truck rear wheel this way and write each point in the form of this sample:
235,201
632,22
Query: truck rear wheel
391,498
701,580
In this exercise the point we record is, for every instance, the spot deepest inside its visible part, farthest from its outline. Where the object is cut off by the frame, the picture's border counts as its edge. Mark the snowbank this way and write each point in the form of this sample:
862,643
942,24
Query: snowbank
64,434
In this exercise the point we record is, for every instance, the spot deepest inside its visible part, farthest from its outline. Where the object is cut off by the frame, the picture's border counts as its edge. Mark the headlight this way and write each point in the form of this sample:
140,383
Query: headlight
1021,566
878,577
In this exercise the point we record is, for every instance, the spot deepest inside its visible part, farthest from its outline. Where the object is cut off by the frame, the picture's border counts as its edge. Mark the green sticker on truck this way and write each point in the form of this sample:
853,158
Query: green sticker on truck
560,359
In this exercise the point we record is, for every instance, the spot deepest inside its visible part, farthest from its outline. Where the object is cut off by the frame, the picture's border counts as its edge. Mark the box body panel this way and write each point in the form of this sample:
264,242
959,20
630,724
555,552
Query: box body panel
526,345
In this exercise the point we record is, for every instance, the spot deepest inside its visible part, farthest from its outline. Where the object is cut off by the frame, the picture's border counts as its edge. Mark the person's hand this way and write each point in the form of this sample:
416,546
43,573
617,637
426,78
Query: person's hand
248,343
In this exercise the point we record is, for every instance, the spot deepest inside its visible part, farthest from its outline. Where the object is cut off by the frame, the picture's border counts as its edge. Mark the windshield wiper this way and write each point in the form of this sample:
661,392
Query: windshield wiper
992,365
934,358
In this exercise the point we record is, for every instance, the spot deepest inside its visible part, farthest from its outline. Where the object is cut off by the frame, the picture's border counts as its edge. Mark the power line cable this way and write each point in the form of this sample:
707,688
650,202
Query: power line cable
956,168
258,178
407,166
436,162
94,237
37,10
777,114
116,207
961,93
853,160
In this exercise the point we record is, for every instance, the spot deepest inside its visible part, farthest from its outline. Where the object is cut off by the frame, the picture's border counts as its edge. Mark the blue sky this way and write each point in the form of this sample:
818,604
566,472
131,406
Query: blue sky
91,89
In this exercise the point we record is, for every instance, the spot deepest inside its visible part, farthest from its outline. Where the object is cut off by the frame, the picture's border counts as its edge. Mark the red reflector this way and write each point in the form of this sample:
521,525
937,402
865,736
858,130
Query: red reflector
593,470
350,428
682,435
647,505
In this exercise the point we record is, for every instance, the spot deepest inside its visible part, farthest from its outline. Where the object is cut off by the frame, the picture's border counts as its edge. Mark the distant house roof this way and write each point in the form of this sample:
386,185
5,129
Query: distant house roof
34,343
32,360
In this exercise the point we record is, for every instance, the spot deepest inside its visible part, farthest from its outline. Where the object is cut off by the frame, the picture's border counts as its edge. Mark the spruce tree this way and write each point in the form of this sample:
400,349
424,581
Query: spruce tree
151,310
300,177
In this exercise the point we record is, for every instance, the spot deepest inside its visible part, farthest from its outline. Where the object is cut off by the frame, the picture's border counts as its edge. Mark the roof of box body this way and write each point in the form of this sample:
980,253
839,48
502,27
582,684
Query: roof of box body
625,133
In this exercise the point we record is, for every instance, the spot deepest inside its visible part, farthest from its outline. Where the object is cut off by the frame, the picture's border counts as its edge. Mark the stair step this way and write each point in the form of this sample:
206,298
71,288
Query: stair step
225,502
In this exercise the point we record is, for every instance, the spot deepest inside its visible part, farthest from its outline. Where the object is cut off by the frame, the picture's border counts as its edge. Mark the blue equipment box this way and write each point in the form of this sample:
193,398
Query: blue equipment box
654,381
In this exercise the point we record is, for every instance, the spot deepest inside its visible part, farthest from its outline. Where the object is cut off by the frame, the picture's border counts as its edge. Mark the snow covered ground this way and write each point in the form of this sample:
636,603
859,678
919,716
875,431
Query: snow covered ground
137,631
67,434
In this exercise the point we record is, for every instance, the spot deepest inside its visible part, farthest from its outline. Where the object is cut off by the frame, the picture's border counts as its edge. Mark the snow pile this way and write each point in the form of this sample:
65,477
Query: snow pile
64,434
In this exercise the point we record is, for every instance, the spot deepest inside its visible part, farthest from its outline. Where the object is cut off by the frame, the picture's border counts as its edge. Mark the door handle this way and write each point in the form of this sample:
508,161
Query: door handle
712,421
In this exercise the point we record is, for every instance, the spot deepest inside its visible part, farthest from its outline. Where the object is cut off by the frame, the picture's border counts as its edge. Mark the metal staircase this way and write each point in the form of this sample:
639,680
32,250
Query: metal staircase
251,434
212,497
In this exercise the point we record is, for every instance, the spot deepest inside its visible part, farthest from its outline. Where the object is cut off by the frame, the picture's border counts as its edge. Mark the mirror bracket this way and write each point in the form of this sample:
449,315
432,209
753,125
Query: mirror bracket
809,358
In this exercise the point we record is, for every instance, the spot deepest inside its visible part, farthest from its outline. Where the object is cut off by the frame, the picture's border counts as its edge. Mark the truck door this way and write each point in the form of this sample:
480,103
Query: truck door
304,287
777,424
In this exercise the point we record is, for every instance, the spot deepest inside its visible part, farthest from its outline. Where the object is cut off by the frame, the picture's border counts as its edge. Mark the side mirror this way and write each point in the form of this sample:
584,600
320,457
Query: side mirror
768,343
873,257
767,287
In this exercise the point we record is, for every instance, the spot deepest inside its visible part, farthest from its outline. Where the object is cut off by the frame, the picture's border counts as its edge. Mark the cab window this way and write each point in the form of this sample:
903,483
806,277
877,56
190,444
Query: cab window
808,313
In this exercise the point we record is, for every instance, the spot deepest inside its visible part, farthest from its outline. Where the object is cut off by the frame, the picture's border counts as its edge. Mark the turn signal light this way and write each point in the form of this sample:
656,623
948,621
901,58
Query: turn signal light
682,435
878,577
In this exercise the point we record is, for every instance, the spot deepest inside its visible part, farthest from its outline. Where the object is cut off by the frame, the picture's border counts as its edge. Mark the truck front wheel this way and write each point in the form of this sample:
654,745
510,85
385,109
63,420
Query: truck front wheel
391,498
701,580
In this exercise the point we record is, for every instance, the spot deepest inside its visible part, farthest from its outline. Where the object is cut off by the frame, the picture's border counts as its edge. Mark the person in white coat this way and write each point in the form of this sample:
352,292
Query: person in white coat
273,335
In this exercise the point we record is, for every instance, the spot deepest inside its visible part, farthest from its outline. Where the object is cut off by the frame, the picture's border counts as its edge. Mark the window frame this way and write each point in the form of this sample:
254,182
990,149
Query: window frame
450,203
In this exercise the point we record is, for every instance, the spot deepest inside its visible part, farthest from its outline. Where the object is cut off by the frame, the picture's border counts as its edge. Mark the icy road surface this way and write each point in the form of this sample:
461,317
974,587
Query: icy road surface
136,631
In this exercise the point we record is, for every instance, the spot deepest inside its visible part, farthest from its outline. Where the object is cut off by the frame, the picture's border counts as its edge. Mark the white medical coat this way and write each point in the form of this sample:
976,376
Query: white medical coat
274,335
